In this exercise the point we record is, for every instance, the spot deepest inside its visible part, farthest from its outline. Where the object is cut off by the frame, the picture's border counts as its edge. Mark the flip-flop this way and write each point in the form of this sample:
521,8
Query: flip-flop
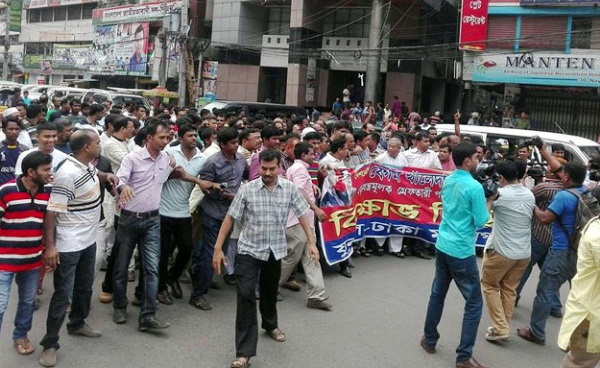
24,346
240,362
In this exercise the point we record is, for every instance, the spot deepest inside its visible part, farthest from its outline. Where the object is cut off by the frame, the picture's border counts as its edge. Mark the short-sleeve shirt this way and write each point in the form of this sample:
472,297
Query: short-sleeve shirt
564,206
9,155
76,200
176,192
57,158
264,214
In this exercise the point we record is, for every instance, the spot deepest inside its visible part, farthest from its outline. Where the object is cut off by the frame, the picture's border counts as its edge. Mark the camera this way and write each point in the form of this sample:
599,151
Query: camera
535,141
489,179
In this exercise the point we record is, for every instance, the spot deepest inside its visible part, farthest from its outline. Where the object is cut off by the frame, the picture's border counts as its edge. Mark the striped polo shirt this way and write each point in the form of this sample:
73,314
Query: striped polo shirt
76,200
21,226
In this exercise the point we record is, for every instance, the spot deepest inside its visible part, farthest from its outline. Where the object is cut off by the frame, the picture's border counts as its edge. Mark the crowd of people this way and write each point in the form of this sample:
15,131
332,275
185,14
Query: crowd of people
193,194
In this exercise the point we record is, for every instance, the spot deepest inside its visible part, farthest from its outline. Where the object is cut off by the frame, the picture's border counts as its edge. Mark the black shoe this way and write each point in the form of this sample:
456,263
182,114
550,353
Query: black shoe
201,303
229,279
176,289
153,323
556,313
422,254
120,316
379,252
165,298
346,273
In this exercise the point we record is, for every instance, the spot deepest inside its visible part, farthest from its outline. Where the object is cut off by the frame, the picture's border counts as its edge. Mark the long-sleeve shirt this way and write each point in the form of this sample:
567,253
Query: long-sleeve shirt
465,210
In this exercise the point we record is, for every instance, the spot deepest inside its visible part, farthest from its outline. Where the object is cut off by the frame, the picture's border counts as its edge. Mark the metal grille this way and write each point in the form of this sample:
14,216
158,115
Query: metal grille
576,114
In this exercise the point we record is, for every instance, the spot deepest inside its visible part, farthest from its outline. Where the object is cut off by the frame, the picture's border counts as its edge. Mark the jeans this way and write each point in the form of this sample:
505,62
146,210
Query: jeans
558,268
27,284
247,270
538,256
201,268
465,274
73,281
145,232
181,229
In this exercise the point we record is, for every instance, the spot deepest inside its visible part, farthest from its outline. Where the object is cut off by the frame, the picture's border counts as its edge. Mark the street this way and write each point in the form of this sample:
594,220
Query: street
376,321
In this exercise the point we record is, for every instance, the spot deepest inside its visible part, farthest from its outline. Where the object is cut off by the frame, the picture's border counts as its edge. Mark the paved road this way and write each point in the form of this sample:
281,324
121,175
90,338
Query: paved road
376,322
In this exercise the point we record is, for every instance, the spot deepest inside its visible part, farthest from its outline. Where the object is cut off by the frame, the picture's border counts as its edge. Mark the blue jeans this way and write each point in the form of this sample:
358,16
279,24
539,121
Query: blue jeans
539,252
201,268
558,268
145,232
27,284
465,274
73,281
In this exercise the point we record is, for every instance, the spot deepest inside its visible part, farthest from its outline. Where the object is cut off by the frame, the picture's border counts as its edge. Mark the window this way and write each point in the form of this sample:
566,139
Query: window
581,33
279,21
87,11
34,15
74,12
348,22
60,13
47,15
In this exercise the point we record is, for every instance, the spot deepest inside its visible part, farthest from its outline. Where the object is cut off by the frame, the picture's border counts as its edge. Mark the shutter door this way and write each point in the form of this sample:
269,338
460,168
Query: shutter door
501,32
549,33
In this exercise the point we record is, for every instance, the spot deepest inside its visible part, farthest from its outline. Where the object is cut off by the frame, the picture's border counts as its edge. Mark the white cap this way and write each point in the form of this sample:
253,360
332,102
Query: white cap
305,131
475,115
437,113
10,111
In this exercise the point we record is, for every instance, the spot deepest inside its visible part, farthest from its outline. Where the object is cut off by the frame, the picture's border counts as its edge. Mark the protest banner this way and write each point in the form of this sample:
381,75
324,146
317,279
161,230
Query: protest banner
376,200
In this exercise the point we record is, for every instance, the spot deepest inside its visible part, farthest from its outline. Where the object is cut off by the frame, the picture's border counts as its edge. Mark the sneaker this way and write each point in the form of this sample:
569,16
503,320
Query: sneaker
48,357
86,331
153,323
318,304
120,316
106,297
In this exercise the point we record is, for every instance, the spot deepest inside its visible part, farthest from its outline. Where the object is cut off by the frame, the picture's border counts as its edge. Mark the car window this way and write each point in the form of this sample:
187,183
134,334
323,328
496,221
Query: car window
591,151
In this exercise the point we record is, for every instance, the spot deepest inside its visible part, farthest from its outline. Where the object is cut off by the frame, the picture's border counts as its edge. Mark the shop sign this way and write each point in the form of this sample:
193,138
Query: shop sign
473,25
550,69
134,13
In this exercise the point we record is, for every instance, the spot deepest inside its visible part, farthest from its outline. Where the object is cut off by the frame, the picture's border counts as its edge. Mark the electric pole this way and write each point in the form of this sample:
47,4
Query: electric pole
374,53
162,67
183,52
5,60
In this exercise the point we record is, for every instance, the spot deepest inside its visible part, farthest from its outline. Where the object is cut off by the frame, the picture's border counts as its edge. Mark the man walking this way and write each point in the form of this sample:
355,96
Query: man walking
142,175
465,210
22,208
508,248
10,149
70,241
263,206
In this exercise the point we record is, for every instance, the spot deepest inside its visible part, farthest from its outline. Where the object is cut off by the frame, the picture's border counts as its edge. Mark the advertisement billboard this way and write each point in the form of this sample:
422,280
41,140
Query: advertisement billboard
120,49
473,25
65,56
16,8
132,13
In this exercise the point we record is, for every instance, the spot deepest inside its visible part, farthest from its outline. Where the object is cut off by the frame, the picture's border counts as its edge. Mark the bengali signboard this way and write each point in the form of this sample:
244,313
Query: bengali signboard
120,49
16,8
473,25
378,201
134,13
572,70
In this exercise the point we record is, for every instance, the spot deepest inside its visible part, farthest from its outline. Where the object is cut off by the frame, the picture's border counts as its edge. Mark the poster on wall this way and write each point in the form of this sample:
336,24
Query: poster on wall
65,56
311,76
120,49
210,71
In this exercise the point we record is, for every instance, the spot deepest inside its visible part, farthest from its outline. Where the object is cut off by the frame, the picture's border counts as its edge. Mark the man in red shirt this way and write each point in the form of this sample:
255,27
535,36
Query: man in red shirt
22,207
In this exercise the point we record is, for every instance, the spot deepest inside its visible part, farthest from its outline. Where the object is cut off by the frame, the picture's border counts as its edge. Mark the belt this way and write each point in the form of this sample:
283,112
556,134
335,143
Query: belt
142,215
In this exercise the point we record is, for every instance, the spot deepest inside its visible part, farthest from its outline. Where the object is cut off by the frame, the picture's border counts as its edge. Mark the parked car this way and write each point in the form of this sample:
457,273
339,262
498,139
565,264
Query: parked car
65,92
120,98
250,109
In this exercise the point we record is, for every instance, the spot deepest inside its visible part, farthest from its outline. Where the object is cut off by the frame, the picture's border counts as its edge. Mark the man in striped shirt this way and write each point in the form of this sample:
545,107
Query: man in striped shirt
22,207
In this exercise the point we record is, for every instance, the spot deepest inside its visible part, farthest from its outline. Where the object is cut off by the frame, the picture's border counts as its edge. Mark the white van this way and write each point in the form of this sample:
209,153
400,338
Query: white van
576,148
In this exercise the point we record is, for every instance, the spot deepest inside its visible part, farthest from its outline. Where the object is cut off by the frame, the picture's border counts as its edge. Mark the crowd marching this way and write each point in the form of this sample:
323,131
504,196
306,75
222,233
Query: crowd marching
187,194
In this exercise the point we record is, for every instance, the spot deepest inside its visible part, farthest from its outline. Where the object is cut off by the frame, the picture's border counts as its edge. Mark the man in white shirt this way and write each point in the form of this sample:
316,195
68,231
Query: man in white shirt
47,133
392,157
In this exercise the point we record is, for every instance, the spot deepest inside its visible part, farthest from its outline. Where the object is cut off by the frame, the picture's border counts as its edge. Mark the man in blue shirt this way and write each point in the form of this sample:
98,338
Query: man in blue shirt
561,262
10,149
465,210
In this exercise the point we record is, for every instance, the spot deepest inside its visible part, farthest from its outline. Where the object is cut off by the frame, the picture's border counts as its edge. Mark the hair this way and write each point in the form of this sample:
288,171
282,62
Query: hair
300,149
46,126
421,135
558,147
312,135
96,108
75,101
576,171
185,128
376,137
140,106
79,140
446,145
269,155
463,151
206,133
226,135
337,144
359,136
34,160
270,131
431,128
33,110
508,169
523,145
10,119
120,122
152,125
246,133
61,123
342,125
140,136
110,119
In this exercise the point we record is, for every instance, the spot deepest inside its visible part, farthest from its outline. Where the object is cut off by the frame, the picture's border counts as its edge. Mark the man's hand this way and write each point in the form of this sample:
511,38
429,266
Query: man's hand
51,258
208,186
457,116
321,216
112,180
316,191
126,194
314,253
218,258
177,172
171,161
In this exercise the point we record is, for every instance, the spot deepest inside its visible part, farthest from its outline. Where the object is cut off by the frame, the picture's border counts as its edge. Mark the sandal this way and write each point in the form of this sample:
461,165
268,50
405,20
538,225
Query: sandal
24,346
240,362
276,335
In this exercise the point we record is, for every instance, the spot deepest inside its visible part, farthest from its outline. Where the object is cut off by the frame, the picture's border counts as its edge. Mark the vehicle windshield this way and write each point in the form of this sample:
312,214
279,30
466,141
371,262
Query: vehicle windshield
591,151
